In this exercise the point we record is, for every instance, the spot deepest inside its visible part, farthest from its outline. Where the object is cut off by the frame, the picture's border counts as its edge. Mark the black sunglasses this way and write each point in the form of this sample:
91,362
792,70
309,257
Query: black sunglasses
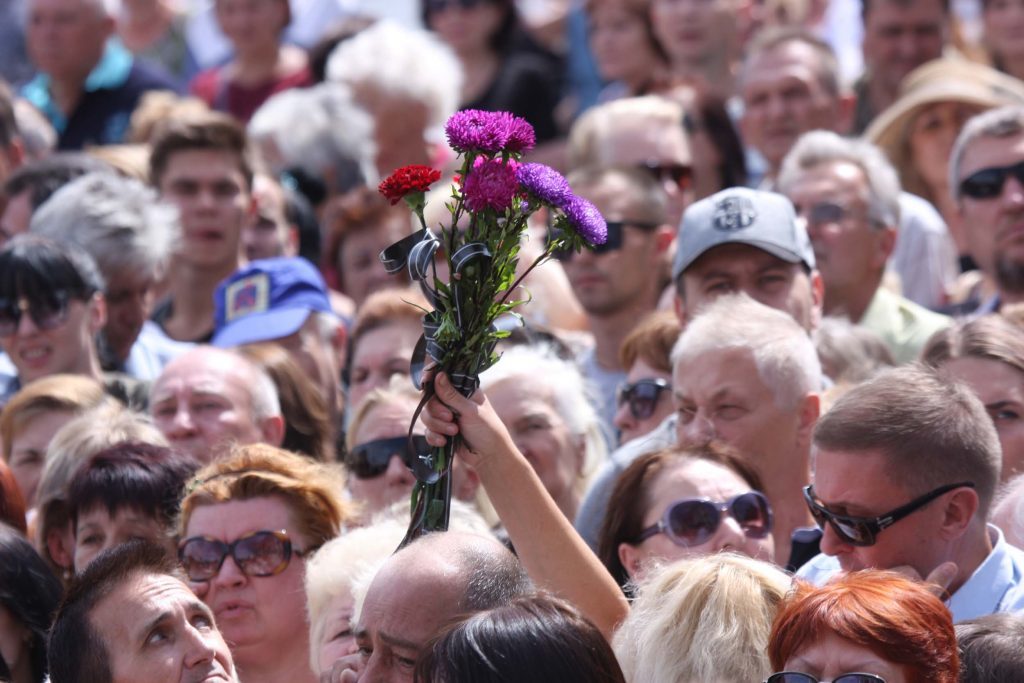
863,531
693,521
613,243
261,553
47,312
642,396
796,677
679,175
988,182
370,459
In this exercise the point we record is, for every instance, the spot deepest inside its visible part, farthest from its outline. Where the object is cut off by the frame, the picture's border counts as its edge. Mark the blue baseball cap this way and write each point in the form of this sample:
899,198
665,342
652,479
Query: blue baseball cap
268,299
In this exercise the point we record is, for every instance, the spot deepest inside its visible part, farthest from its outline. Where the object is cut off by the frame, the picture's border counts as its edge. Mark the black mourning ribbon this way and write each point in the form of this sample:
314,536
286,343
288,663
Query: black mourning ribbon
417,253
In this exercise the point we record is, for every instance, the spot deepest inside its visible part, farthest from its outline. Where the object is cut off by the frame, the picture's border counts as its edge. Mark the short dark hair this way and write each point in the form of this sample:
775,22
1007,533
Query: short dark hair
211,132
34,267
77,653
991,648
29,591
534,638
867,4
137,475
932,430
44,177
631,497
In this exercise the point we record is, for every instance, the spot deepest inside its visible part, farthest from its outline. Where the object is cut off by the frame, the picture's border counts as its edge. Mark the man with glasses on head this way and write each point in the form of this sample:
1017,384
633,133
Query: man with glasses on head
986,171
51,307
848,196
905,467
618,282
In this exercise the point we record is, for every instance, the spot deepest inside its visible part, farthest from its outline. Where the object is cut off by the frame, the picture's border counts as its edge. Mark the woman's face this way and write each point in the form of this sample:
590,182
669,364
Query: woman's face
621,44
380,354
630,425
385,421
466,25
932,133
527,407
97,530
337,640
692,478
1004,27
1001,388
14,640
254,612
28,450
360,271
831,656
249,23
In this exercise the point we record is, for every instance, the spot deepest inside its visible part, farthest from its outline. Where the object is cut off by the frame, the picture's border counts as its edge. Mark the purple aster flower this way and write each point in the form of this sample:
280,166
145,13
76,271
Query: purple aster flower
586,220
473,130
545,183
521,137
490,185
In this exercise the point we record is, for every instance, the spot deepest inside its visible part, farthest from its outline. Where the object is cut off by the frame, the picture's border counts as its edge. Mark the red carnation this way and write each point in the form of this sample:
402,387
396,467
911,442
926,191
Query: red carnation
407,180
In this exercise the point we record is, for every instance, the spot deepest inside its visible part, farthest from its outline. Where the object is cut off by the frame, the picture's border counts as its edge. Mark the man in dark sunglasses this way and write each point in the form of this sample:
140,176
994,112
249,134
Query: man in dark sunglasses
905,468
987,180
848,194
51,307
619,282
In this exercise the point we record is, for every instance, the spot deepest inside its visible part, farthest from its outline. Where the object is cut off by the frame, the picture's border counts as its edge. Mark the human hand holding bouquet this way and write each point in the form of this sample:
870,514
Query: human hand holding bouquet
495,194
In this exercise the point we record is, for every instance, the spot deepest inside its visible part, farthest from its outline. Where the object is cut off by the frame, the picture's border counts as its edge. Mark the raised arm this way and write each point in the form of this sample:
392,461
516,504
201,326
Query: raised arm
555,556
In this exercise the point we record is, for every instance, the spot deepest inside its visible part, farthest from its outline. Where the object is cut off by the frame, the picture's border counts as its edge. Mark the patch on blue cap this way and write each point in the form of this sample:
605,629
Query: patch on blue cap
246,296
734,213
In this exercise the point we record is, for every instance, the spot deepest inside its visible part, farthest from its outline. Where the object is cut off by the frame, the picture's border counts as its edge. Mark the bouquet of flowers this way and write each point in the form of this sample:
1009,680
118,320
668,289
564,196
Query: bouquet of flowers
493,196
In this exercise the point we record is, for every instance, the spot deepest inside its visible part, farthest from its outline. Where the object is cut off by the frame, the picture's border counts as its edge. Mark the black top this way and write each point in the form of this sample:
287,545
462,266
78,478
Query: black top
527,86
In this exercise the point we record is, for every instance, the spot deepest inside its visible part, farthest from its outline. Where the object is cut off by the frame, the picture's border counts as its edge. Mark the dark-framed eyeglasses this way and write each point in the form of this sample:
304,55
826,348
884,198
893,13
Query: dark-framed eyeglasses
693,521
261,553
642,396
797,677
48,311
987,183
679,175
824,213
371,459
614,242
863,531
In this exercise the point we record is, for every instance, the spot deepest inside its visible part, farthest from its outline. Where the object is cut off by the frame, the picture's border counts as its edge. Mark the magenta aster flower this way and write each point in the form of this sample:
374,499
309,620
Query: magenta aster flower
473,130
490,185
586,220
545,183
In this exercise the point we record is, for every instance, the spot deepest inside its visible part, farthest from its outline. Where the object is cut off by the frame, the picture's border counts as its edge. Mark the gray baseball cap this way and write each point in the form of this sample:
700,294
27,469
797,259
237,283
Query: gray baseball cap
765,220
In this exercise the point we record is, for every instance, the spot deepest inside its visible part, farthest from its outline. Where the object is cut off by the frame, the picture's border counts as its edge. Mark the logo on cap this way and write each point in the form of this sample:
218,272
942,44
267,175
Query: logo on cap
246,296
733,213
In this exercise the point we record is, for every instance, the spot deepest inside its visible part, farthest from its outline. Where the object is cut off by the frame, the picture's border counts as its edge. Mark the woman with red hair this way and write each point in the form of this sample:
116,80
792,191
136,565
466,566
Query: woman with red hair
864,627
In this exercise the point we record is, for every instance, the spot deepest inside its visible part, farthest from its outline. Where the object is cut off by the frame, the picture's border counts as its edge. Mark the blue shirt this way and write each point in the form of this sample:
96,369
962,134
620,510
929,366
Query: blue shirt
997,585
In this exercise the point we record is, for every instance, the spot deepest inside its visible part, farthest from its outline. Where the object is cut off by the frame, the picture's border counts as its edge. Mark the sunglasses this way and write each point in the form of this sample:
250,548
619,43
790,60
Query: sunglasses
863,531
613,243
693,521
642,396
261,553
988,182
824,213
47,313
794,677
371,459
440,5
679,175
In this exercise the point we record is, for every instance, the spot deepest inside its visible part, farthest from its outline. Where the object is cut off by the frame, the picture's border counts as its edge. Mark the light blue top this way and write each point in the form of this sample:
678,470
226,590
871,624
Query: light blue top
997,585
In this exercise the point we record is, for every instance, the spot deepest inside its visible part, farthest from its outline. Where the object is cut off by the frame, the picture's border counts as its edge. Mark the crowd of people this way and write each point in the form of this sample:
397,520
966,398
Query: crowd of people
772,429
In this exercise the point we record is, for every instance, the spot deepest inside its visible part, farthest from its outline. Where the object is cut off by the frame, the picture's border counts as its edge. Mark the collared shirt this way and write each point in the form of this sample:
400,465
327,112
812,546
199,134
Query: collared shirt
109,96
997,585
904,326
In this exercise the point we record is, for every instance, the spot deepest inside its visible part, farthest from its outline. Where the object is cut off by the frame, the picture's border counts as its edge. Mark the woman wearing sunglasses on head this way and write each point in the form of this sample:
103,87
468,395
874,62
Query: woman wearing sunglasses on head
864,627
247,525
684,503
645,400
